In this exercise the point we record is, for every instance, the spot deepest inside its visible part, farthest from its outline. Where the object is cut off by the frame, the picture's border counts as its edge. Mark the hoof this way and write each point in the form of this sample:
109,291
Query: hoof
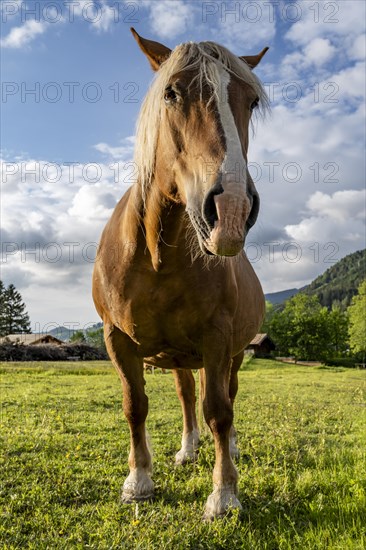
220,503
127,498
137,487
183,457
188,452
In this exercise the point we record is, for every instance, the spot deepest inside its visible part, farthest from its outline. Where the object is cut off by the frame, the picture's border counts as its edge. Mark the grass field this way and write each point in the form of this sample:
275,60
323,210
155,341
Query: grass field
302,438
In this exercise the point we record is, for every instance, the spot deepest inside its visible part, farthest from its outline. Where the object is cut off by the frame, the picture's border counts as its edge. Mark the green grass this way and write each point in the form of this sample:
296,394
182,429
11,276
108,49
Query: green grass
302,438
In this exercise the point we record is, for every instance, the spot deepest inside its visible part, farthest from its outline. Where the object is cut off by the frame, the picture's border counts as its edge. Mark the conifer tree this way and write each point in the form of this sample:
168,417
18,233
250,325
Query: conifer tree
2,309
14,318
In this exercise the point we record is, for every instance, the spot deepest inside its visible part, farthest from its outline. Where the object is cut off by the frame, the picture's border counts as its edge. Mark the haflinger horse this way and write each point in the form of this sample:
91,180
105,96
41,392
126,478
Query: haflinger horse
171,282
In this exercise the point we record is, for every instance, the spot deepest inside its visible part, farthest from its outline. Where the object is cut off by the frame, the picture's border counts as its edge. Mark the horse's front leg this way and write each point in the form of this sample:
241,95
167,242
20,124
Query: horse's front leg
122,351
185,386
218,411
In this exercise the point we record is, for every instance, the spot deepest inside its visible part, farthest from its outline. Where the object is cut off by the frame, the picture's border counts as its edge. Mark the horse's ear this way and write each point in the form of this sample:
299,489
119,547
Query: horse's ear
154,51
253,60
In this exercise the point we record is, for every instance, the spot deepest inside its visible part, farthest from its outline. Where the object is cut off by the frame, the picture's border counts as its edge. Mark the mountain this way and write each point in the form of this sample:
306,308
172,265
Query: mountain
281,296
339,283
335,287
63,333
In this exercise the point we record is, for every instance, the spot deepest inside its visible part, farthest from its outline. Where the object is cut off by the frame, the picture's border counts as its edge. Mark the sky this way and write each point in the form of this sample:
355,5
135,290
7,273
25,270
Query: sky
73,82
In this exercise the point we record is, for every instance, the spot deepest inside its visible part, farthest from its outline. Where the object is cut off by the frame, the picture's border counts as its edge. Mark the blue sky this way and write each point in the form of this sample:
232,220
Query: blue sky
89,79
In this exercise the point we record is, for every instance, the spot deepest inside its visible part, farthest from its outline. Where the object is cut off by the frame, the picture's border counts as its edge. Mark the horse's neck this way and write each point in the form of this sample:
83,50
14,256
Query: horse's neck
164,224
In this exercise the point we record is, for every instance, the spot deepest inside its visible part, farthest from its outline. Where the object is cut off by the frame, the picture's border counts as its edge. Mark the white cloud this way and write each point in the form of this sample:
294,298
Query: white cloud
108,17
121,152
291,265
336,217
327,33
240,28
169,19
315,55
23,35
344,18
100,15
342,206
243,36
319,51
332,227
94,203
50,224
358,49
351,80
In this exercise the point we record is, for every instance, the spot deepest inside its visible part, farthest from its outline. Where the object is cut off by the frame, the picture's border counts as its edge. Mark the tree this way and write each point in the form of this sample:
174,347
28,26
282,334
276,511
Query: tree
78,337
338,332
357,321
2,309
96,338
304,329
14,318
270,312
280,332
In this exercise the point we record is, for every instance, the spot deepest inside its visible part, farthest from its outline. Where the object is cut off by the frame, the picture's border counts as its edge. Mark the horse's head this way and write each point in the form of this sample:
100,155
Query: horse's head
193,138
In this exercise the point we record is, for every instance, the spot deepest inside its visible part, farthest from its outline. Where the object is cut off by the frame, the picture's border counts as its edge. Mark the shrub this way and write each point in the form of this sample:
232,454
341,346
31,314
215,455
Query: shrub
349,362
48,352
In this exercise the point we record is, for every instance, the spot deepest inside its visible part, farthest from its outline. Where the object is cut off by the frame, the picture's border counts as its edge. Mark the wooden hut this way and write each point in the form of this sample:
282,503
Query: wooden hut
30,339
261,345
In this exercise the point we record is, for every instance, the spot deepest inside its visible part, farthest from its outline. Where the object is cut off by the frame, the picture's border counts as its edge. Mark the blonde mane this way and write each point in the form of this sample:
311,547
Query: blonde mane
203,56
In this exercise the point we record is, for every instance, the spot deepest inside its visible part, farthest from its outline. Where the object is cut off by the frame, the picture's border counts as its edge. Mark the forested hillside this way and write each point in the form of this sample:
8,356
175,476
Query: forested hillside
338,284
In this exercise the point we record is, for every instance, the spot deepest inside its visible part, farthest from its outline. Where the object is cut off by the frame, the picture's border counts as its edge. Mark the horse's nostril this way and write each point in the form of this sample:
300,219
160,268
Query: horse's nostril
253,212
209,211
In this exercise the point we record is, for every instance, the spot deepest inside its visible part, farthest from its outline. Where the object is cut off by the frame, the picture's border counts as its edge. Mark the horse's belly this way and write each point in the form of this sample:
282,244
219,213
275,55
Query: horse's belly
171,359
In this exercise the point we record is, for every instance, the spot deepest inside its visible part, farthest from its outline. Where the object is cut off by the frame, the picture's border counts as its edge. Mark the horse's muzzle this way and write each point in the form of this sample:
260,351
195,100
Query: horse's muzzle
226,212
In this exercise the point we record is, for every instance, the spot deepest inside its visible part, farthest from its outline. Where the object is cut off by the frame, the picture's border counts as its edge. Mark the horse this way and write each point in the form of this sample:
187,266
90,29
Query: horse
171,280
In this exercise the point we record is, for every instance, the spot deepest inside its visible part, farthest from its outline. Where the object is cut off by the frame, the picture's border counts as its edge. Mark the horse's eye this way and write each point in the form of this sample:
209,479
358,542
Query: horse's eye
254,104
170,96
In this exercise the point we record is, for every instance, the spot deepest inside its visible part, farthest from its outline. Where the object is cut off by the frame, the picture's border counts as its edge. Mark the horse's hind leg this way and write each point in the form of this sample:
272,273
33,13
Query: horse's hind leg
233,390
185,386
121,349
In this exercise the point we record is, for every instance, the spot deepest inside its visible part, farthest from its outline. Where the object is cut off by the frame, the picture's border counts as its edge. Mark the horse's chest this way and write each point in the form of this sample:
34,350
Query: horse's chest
162,311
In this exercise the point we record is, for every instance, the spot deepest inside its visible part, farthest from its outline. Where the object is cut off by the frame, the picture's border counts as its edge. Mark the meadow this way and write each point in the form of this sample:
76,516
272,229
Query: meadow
302,466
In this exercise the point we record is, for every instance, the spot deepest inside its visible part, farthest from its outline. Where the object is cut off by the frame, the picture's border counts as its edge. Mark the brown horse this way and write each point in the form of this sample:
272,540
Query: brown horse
171,281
